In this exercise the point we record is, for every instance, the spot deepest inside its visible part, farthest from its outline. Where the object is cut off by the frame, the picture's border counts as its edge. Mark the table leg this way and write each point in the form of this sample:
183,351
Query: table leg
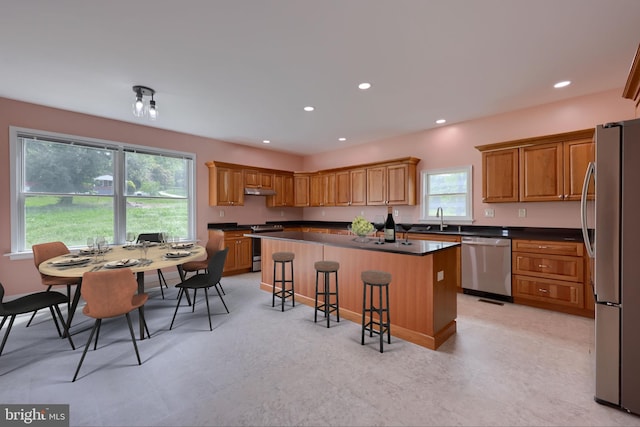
181,273
72,309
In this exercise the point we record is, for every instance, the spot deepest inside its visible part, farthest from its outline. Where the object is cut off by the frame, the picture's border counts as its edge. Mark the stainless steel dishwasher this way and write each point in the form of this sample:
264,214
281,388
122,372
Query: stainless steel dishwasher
486,267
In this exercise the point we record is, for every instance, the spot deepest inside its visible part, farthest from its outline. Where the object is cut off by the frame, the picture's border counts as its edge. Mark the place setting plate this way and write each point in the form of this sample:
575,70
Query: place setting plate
181,245
177,254
68,262
122,263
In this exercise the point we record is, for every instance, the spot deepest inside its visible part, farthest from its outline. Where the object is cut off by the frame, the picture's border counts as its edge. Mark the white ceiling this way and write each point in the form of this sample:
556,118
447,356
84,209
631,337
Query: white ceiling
242,71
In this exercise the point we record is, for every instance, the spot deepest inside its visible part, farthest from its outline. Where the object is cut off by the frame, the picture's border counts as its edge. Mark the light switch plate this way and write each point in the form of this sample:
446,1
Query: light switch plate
522,213
489,212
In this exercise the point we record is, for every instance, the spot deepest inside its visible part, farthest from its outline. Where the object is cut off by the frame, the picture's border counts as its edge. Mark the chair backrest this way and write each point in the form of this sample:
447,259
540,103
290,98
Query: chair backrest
149,237
109,293
214,244
216,265
45,251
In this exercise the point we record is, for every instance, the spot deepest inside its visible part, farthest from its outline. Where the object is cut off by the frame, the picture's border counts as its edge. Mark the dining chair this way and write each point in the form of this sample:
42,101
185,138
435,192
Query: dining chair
156,238
27,304
108,294
43,252
214,244
210,279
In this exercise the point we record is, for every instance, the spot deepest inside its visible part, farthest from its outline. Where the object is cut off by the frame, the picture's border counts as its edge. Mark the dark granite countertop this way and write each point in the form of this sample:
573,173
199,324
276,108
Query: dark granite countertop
527,233
417,247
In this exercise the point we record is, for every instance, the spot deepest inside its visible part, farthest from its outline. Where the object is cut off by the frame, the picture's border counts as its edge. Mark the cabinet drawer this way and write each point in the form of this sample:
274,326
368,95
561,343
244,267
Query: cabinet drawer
547,290
548,247
236,234
548,266
434,236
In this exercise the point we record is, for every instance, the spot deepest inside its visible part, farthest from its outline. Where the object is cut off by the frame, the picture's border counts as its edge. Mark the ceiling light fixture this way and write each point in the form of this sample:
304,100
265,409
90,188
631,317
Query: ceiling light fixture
441,121
562,84
342,139
309,108
364,86
139,108
266,141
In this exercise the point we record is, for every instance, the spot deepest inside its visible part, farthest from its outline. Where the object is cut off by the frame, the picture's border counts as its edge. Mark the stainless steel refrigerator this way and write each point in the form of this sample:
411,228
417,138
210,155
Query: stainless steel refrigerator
614,243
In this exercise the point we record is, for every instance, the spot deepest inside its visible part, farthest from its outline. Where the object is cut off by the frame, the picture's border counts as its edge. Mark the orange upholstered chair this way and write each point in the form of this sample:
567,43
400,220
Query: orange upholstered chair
45,251
110,293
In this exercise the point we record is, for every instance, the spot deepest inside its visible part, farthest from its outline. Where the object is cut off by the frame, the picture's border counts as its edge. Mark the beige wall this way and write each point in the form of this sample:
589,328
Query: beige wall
446,146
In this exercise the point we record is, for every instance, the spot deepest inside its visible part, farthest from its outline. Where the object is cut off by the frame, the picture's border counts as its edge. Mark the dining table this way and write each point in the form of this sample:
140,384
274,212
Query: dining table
158,256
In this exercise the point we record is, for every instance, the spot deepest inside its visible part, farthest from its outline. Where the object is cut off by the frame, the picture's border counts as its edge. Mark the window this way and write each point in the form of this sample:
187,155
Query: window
69,188
449,189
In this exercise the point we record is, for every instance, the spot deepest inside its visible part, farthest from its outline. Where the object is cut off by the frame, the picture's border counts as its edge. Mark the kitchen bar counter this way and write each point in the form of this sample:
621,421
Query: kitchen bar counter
422,292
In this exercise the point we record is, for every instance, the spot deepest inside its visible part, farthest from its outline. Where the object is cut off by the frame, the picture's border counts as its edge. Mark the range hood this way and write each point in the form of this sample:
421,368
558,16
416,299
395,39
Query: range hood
259,192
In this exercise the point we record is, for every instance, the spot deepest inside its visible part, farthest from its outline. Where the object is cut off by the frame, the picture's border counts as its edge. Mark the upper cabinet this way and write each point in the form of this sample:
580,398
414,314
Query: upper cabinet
226,185
283,186
500,176
383,183
549,168
393,184
256,179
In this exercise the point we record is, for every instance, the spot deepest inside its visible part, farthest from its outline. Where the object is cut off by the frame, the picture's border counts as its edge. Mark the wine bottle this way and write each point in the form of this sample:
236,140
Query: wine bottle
390,227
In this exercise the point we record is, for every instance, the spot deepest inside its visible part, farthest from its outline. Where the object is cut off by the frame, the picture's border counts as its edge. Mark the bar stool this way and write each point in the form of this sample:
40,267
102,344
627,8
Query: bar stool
376,279
326,268
283,258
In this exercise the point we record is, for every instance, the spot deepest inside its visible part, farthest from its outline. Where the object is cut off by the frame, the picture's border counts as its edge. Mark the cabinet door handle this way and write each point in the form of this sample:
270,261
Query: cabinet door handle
544,291
543,247
543,266
560,196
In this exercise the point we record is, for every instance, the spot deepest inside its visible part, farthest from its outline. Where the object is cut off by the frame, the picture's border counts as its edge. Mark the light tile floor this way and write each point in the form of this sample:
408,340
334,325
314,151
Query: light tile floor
507,366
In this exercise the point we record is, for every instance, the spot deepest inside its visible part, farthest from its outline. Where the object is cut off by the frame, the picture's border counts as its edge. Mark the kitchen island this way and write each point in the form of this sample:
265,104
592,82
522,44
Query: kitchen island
422,293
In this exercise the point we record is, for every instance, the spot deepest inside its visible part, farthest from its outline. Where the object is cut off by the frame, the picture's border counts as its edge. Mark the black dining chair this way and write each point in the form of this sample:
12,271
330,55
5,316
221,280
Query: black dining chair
210,279
30,303
155,238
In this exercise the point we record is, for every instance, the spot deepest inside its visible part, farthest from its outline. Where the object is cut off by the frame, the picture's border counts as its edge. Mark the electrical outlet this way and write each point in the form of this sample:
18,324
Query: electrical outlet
489,212
362,213
396,212
440,276
522,213
322,213
281,213
221,213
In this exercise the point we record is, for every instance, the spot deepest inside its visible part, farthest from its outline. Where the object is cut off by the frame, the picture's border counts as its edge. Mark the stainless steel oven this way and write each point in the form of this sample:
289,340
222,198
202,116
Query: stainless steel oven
256,244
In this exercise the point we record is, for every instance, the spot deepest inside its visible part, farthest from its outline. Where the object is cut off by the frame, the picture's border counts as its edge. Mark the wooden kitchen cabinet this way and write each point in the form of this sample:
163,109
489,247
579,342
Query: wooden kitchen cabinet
239,257
254,178
547,168
226,185
500,176
322,189
351,187
283,186
391,185
551,275
301,190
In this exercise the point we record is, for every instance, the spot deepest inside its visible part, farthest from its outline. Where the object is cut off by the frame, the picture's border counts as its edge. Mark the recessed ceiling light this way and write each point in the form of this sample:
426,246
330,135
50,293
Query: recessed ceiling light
441,121
562,84
364,86
266,141
309,108
342,139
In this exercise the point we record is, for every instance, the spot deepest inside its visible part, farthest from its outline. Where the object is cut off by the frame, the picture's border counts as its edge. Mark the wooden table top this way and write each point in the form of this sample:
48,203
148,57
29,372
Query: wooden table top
157,255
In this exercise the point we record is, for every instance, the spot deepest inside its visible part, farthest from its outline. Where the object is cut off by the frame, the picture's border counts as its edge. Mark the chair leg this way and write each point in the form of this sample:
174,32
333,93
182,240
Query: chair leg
180,292
4,319
161,281
36,311
193,306
64,326
96,325
221,299
95,345
55,321
133,338
6,334
206,298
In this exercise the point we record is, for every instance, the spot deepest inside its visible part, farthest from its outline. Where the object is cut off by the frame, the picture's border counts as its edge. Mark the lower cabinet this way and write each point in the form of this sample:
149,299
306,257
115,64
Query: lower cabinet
441,238
239,257
551,275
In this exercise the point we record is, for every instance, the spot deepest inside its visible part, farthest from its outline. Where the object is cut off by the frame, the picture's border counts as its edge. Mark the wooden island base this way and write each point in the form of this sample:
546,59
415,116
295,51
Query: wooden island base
422,292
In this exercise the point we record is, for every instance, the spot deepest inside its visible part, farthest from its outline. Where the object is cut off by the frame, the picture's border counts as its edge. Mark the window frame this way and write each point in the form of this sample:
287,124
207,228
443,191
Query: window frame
18,199
425,175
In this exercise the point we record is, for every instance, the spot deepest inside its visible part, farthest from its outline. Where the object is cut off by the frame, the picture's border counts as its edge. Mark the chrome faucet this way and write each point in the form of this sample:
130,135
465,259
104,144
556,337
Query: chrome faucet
440,215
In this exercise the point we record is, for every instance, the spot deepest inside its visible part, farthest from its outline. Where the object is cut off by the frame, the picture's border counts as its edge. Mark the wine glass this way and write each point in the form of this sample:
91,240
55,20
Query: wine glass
131,237
406,225
378,223
90,245
100,245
